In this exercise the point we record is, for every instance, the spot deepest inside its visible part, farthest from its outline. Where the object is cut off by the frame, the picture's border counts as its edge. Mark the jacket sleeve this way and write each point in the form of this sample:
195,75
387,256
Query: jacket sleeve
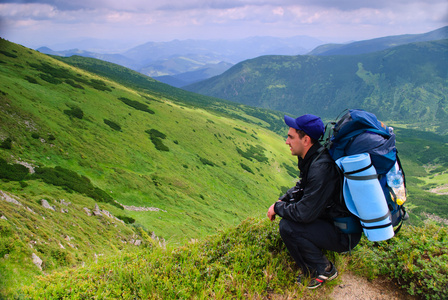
321,186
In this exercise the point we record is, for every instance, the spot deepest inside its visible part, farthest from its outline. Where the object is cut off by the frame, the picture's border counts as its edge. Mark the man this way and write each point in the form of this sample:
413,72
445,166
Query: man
308,209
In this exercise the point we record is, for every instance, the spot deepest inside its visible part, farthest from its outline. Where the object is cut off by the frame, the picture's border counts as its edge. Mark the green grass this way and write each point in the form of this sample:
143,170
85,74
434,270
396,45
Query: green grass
41,125
225,163
249,262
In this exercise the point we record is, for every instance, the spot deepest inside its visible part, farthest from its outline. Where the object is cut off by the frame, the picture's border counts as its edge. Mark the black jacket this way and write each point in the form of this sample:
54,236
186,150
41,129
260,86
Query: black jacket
321,185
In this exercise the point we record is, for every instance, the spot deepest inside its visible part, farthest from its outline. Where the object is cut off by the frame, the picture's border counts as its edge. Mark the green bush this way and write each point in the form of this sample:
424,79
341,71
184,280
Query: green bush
135,104
6,53
416,258
14,172
112,125
50,79
35,135
292,171
74,112
126,219
74,84
72,181
31,79
99,85
247,168
6,144
240,130
156,138
253,152
206,161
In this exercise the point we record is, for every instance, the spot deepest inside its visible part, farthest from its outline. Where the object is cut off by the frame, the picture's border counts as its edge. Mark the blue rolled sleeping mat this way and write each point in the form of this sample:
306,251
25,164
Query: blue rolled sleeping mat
364,196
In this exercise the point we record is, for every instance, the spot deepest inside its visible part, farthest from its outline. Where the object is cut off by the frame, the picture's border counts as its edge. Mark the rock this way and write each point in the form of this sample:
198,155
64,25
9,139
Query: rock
64,211
30,210
3,218
45,204
97,211
138,242
88,211
65,203
37,261
27,165
106,213
8,198
136,208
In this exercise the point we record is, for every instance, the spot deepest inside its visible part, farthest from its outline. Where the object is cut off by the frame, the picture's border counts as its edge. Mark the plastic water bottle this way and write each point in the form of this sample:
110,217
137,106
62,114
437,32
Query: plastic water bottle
396,182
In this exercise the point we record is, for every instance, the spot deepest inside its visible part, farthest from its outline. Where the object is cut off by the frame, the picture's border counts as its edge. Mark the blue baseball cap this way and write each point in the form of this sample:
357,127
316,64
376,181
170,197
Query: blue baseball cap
310,124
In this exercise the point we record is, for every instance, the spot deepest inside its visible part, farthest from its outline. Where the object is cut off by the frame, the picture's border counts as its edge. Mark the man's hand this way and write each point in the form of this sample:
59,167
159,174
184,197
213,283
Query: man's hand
271,213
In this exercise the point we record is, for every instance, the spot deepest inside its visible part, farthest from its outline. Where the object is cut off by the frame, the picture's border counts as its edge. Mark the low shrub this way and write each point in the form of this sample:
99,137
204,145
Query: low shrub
74,112
6,144
72,181
156,138
31,79
137,105
291,170
74,84
14,172
247,168
206,161
126,219
8,54
253,152
240,130
112,125
50,79
416,258
99,85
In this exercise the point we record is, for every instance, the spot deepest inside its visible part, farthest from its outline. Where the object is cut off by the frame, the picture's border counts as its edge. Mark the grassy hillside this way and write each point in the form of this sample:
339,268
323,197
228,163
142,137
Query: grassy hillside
91,140
193,166
403,84
250,262
269,119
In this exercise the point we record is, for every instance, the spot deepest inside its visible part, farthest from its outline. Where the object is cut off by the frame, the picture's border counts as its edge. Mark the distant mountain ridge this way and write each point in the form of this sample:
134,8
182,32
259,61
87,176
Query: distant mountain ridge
157,59
183,62
378,44
403,83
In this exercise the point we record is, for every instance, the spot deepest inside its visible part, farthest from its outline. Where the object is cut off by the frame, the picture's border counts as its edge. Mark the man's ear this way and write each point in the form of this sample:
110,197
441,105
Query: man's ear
307,139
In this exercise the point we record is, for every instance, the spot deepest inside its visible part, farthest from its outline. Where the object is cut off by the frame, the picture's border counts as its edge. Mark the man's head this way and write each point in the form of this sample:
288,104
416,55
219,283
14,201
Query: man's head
304,131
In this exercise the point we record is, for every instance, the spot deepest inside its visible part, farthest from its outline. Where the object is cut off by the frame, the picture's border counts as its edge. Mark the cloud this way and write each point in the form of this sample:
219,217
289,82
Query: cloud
27,21
182,5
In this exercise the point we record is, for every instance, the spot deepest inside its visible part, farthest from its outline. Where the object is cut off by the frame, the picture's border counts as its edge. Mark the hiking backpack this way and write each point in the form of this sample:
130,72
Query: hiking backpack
356,133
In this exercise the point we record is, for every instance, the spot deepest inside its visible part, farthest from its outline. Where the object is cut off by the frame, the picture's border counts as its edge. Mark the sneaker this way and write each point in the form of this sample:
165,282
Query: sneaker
321,278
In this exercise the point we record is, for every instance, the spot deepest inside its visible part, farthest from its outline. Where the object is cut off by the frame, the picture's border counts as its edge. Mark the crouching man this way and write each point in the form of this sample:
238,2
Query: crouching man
308,209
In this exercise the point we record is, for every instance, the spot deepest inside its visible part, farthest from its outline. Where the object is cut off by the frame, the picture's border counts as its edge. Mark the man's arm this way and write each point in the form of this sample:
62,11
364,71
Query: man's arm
318,193
271,212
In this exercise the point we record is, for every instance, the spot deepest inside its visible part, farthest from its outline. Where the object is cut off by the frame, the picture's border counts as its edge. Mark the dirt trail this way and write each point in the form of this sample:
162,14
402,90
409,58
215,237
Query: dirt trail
354,287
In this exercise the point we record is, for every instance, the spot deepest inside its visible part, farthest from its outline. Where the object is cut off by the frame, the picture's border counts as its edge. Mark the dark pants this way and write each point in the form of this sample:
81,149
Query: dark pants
305,242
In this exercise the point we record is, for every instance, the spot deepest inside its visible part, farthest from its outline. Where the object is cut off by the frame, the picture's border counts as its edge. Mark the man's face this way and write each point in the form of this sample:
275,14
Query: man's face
296,144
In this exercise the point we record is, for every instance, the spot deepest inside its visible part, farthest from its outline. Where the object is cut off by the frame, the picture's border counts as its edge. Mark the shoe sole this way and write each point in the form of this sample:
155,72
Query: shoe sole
323,281
333,277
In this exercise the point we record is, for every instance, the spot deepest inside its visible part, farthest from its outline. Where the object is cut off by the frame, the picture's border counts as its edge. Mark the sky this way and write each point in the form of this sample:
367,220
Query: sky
55,23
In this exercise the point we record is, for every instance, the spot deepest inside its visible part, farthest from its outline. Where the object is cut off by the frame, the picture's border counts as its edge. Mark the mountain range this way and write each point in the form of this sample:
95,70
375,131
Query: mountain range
189,61
183,62
404,83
